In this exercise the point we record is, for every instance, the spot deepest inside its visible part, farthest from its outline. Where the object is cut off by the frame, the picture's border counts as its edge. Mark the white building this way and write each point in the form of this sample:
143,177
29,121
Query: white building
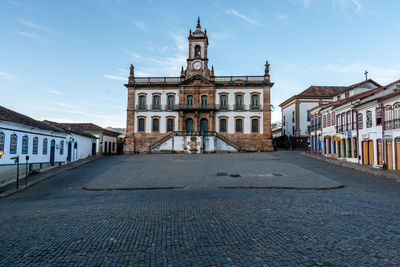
106,139
36,146
351,128
295,115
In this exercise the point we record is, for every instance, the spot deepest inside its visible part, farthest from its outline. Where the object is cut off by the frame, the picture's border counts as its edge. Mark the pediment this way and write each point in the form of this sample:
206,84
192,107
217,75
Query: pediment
198,80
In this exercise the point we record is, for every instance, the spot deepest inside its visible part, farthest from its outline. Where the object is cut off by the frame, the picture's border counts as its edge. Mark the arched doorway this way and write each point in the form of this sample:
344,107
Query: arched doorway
204,125
189,125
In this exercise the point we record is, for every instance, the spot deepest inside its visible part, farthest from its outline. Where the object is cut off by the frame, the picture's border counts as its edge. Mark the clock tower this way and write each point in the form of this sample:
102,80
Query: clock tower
197,62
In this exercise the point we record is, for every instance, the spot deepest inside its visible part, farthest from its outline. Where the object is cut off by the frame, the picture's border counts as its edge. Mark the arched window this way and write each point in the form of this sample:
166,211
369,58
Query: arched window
222,125
170,101
189,100
25,144
324,121
197,51
61,147
156,125
239,125
2,142
254,125
142,102
369,119
35,145
170,125
328,120
388,118
239,101
359,120
378,113
203,100
13,144
156,102
141,125
333,118
254,102
45,146
223,101
397,115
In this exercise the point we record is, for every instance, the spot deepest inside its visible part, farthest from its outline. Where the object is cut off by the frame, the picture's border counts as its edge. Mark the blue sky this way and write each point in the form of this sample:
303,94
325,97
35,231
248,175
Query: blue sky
67,60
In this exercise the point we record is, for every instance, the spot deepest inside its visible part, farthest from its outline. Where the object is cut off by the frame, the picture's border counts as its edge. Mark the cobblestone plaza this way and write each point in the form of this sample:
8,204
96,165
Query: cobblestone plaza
221,209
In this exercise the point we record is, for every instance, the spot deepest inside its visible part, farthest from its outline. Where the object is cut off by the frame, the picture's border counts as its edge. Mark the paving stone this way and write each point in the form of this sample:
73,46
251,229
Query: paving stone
58,223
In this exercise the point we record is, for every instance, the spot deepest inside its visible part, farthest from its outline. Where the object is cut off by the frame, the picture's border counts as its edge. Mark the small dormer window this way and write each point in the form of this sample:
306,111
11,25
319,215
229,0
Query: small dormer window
398,86
197,52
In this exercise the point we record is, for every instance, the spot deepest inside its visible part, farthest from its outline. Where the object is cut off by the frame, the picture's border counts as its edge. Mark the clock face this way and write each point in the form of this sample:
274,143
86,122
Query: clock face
197,65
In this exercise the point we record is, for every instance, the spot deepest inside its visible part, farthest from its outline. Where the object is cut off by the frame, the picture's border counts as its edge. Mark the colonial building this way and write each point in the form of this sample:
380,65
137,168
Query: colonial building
295,111
28,145
361,127
198,111
106,139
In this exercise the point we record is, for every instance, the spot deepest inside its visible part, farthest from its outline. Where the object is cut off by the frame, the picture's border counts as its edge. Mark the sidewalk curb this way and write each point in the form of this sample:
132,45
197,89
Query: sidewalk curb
354,166
133,188
282,187
51,173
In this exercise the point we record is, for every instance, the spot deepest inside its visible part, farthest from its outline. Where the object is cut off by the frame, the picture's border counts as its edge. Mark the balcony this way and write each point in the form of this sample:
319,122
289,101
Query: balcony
315,127
392,124
195,107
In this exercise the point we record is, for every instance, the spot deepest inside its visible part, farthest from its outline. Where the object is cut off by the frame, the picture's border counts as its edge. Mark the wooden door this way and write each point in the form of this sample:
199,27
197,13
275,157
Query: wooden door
365,152
389,155
370,152
379,152
398,154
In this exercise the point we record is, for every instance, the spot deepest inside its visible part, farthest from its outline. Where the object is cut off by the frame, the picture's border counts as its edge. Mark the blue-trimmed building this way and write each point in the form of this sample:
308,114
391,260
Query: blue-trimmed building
36,145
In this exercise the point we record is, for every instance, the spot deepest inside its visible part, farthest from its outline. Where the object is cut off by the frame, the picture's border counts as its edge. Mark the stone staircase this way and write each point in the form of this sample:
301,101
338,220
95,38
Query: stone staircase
183,134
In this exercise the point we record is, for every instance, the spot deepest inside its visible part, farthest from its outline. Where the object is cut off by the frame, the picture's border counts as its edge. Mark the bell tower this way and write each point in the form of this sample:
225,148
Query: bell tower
197,62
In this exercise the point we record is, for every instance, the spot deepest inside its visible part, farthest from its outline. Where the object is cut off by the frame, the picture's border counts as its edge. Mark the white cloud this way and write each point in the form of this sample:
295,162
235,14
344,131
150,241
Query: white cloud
140,25
7,76
282,17
116,78
55,92
243,17
35,26
31,35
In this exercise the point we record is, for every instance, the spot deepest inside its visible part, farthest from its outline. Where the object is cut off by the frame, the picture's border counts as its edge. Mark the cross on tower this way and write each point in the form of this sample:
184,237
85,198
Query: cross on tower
366,75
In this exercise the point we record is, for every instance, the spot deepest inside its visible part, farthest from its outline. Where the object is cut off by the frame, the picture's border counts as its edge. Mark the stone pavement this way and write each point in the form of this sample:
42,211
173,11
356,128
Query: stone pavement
202,171
56,223
39,177
390,174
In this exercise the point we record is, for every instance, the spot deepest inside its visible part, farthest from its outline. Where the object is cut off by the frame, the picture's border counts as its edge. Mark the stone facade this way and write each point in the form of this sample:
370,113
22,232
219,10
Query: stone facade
199,103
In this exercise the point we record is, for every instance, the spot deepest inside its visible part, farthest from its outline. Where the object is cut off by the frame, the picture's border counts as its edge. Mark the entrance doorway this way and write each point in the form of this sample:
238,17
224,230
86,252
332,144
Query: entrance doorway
52,152
69,151
203,125
389,155
189,125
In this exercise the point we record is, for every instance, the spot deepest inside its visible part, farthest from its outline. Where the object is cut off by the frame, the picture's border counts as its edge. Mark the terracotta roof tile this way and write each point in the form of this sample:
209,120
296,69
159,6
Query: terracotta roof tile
88,127
67,128
12,116
322,91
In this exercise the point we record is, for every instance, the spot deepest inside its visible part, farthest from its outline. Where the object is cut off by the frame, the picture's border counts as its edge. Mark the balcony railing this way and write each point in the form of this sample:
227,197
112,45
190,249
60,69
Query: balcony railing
315,127
392,124
219,79
199,107
239,78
